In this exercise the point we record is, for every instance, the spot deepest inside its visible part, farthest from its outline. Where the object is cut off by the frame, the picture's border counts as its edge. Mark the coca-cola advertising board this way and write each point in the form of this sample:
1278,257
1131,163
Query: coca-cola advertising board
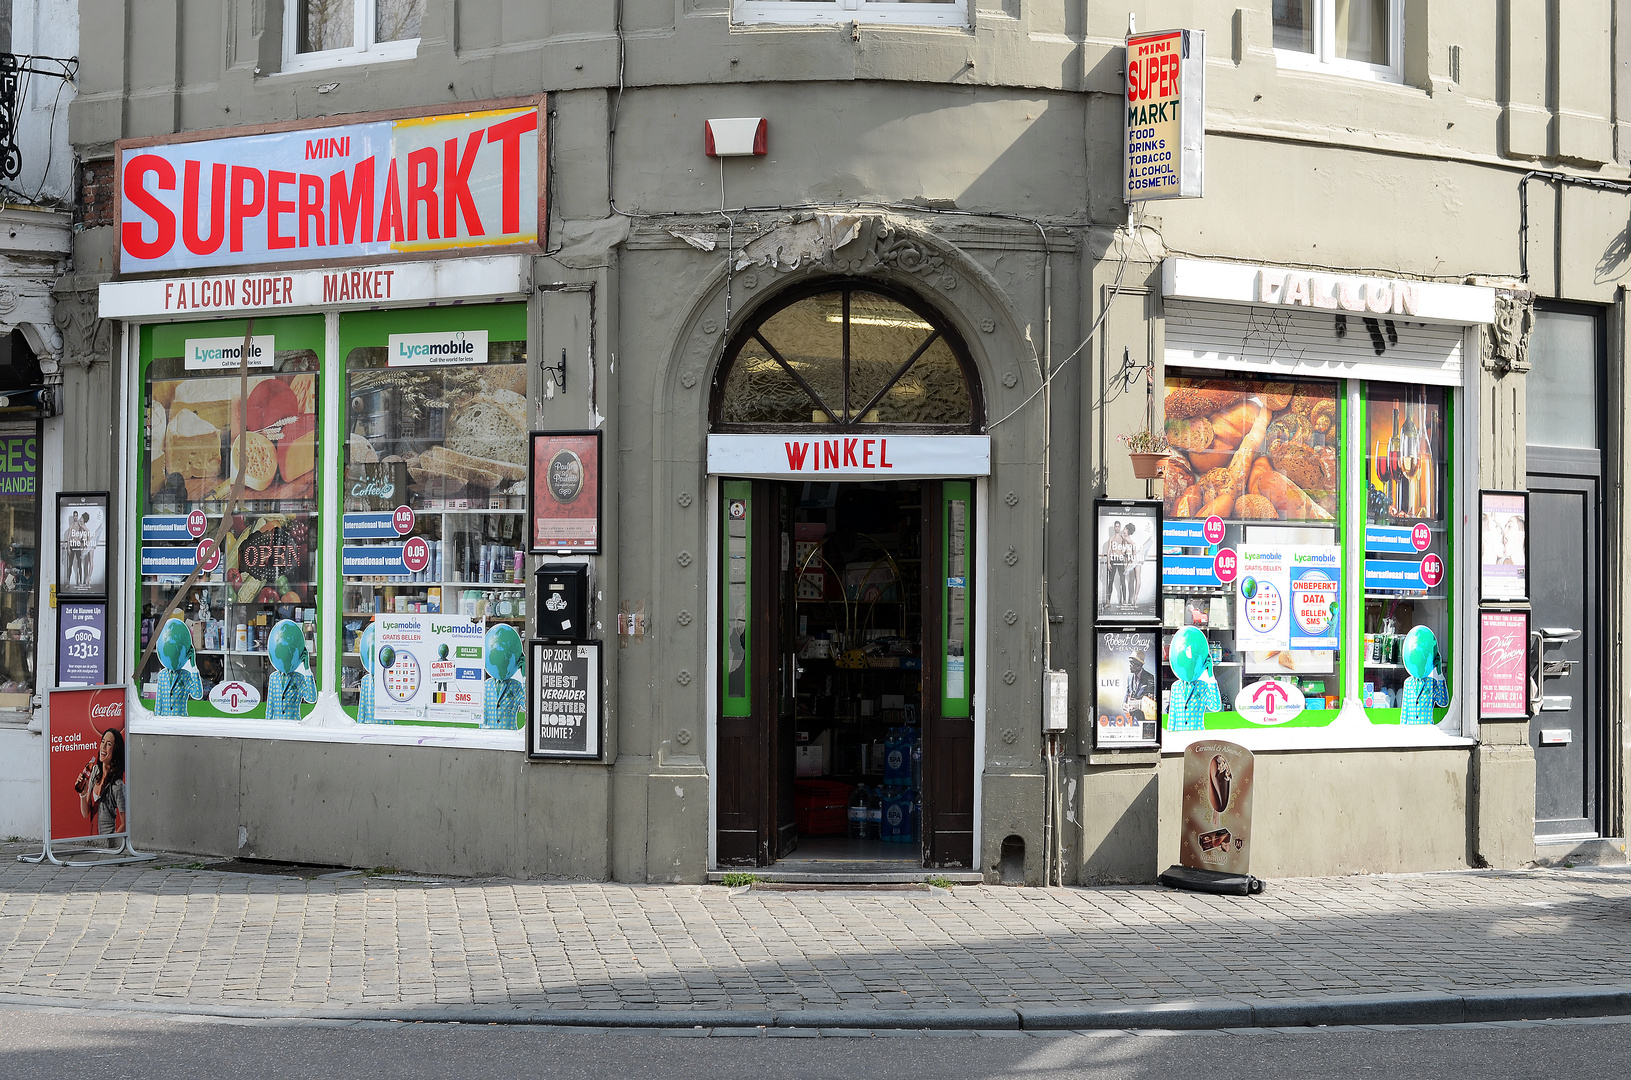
85,776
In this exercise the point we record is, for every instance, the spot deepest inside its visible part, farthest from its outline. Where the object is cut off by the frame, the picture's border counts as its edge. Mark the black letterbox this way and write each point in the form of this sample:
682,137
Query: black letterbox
563,600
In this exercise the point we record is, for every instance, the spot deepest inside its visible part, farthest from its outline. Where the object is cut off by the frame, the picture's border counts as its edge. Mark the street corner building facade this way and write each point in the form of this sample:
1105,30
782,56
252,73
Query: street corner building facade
647,440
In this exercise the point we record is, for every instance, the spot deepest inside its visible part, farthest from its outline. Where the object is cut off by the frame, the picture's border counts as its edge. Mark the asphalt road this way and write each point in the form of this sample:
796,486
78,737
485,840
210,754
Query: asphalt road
44,1044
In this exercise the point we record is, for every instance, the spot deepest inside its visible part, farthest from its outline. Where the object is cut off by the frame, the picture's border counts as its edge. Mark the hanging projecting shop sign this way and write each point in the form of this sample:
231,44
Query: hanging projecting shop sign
1166,115
349,187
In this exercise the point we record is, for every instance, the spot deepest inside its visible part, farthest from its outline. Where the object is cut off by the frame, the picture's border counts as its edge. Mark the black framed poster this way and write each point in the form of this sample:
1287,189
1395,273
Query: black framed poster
1127,561
1127,686
82,544
1503,546
565,712
563,492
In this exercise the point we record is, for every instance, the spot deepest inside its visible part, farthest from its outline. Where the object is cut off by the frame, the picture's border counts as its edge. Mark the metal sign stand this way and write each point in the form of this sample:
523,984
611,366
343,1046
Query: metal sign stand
126,851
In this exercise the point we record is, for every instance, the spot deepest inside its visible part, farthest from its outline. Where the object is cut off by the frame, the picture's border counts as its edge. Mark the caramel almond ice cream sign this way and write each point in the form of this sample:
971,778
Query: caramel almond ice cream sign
406,184
1217,824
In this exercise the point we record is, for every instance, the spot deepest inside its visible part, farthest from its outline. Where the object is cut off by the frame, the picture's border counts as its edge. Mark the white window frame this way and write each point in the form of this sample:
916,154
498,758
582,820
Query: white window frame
1324,59
366,50
750,12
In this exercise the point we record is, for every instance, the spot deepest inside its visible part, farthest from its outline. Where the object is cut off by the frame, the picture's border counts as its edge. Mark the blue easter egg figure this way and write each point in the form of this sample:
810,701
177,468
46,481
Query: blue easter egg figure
1426,687
370,678
290,682
1196,692
505,695
179,680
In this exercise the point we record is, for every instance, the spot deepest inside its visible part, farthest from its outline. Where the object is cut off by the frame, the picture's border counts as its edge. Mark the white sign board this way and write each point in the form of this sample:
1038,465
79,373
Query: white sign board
432,350
426,183
1355,294
1165,133
492,277
811,455
219,354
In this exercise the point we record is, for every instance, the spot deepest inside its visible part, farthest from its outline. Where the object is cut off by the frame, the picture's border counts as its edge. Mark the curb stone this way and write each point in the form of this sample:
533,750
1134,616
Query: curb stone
1429,1008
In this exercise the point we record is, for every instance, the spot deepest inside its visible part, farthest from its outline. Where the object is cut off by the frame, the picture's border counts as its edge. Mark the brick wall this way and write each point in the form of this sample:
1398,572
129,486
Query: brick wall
98,194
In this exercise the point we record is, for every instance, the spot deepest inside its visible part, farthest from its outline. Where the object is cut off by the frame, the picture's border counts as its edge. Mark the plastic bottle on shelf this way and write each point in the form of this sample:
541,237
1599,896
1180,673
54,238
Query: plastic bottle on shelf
874,813
857,813
917,763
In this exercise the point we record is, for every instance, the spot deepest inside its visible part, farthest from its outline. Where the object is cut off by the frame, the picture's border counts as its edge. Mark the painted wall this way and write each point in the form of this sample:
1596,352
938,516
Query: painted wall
48,28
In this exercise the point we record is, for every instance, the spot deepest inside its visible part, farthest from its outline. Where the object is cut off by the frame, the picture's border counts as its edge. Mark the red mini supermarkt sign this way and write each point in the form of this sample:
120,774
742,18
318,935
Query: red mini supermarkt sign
352,187
1166,115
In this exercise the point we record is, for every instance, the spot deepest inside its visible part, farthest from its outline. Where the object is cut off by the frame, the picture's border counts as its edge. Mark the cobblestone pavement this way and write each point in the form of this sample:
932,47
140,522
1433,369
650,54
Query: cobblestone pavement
162,932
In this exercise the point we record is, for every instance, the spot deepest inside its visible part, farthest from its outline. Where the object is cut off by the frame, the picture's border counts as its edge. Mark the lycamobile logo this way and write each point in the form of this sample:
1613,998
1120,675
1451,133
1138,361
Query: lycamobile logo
457,348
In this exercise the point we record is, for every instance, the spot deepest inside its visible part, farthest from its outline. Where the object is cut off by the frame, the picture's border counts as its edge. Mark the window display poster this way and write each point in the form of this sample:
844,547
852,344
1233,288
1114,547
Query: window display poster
1126,669
1503,546
1503,654
1316,593
563,713
1251,449
1128,546
565,491
82,638
1262,598
429,668
1405,454
82,543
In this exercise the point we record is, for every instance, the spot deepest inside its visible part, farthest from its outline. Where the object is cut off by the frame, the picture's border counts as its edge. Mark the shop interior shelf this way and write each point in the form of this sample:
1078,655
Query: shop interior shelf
1369,666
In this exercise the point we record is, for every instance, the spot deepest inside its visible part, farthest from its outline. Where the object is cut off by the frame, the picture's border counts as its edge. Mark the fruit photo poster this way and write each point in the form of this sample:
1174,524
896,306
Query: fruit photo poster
564,486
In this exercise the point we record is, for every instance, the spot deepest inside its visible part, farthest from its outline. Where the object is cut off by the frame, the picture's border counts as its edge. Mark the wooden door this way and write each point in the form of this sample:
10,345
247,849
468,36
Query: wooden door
755,802
948,674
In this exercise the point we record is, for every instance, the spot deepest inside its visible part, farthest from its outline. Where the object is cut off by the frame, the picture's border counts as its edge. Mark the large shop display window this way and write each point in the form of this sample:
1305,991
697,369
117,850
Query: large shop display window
1306,538
244,639
435,451
19,564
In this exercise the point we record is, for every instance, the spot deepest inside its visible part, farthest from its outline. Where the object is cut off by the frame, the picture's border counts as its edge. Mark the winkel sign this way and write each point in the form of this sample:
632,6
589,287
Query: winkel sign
365,189
1166,115
802,455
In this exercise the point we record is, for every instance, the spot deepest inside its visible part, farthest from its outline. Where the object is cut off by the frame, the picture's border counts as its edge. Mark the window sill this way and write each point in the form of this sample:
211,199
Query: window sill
327,723
1351,730
1287,60
306,63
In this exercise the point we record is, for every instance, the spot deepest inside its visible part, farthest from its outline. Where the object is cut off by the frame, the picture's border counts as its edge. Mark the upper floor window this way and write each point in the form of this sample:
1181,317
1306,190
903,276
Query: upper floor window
327,33
899,12
1353,37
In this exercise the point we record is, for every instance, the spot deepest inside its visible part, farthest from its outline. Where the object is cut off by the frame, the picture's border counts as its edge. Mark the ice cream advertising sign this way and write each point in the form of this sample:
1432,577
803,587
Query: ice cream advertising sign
376,187
1217,823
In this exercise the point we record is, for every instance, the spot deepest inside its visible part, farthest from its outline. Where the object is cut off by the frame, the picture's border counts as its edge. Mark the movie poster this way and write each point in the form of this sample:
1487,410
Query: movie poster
1128,688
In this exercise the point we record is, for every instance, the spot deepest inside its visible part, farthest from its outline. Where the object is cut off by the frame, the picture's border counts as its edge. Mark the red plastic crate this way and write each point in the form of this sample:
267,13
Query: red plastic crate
821,807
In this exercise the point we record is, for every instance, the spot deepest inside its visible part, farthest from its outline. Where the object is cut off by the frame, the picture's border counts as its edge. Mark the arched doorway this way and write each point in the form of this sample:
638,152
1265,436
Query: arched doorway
846,430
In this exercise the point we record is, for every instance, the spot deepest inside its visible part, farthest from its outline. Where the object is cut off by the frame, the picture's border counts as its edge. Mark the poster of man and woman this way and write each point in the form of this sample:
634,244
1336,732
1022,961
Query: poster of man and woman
82,544
1128,546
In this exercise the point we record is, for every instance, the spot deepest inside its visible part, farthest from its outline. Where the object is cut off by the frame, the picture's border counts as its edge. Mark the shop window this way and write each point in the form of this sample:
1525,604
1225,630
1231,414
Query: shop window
245,646
19,564
329,33
900,12
1264,459
435,464
1311,490
1407,548
1362,38
849,357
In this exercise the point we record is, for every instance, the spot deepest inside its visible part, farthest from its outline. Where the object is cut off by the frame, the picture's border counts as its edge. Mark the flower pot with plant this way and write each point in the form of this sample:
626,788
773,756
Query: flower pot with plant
1149,451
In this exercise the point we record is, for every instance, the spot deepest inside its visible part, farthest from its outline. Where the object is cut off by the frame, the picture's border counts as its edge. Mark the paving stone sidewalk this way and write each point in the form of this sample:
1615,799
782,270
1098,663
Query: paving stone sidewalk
163,933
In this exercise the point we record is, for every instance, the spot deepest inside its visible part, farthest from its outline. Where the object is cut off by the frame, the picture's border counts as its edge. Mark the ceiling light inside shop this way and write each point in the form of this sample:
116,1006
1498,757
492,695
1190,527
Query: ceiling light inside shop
898,324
